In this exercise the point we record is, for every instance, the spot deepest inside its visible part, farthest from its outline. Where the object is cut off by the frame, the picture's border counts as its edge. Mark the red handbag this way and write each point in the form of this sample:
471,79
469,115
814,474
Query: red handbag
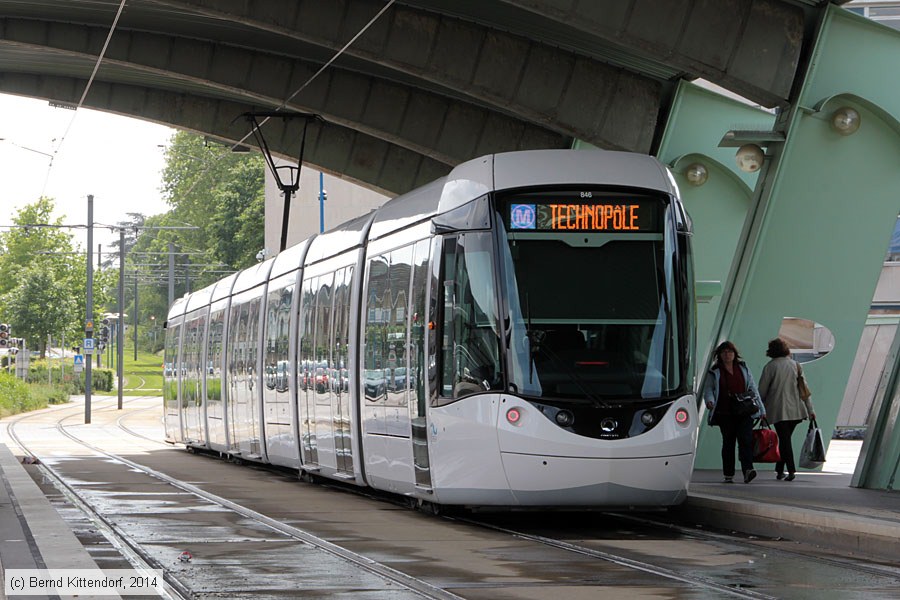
765,444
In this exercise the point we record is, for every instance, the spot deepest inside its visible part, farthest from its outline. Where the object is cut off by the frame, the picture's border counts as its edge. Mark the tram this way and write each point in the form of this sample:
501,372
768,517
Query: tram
519,333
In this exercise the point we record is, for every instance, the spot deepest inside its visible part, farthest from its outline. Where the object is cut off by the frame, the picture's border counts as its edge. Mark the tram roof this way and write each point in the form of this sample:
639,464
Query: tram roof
223,287
510,170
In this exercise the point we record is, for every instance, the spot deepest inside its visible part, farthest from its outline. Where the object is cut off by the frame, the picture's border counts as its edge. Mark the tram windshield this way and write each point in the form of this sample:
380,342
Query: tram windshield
592,294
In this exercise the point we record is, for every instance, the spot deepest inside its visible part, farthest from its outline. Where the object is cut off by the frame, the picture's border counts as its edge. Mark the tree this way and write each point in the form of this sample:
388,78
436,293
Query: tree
23,244
219,192
222,193
131,234
43,282
40,305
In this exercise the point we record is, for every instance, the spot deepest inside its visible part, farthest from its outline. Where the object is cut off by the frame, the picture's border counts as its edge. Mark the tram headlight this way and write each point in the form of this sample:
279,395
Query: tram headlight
647,418
514,416
682,417
565,418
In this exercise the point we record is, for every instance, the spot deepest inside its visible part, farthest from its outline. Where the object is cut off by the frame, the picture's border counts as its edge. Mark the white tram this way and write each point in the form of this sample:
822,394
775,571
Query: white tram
517,333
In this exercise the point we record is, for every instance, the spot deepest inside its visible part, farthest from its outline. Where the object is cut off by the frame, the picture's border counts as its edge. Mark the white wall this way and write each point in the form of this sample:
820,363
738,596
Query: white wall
345,201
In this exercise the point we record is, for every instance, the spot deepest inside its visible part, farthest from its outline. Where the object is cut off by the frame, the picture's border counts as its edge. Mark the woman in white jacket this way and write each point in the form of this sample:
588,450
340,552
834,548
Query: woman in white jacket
784,407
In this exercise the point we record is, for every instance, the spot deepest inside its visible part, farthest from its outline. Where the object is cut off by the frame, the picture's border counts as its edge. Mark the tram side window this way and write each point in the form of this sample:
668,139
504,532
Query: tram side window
237,326
340,381
214,356
395,368
418,317
376,329
321,342
470,360
251,341
170,388
278,314
306,351
192,348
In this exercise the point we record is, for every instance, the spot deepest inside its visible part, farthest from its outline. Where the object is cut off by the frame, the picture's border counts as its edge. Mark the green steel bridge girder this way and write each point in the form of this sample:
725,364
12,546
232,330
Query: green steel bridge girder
810,239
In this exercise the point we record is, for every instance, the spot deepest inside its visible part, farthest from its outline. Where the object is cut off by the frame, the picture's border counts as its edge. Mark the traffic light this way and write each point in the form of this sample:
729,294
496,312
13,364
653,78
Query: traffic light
103,335
5,332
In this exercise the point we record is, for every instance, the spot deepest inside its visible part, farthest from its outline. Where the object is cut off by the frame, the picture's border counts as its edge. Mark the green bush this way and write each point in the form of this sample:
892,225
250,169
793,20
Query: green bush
16,396
37,372
49,394
101,381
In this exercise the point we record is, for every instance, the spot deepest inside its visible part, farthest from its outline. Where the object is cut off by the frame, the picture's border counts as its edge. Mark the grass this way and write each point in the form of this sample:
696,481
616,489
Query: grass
144,376
141,377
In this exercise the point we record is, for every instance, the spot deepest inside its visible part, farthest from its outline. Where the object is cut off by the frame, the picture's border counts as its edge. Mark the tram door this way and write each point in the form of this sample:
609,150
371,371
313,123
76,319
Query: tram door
306,373
324,363
192,374
417,369
243,397
339,371
394,368
170,382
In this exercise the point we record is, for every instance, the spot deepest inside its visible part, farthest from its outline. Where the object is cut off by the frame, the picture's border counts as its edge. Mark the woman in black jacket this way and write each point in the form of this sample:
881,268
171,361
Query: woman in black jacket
728,378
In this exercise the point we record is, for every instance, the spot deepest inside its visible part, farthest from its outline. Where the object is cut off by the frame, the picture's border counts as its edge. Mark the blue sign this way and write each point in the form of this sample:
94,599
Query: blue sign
79,360
522,216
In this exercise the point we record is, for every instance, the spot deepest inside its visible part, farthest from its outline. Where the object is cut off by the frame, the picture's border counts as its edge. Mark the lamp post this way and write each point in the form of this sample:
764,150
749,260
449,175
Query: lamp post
89,309
323,196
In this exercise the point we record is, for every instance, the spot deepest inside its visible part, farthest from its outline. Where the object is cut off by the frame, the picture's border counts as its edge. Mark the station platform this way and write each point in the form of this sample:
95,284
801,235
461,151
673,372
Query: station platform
819,509
33,535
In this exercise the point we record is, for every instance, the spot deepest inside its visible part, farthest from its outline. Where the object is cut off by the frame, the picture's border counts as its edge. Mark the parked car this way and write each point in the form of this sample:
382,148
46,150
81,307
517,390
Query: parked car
375,384
321,380
398,381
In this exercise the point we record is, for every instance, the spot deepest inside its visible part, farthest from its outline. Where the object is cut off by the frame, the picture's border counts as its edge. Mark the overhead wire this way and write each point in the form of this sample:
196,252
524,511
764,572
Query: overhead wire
323,67
84,94
283,104
293,95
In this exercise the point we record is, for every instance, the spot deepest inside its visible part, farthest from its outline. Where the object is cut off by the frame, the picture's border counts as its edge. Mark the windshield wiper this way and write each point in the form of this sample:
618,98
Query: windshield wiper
534,340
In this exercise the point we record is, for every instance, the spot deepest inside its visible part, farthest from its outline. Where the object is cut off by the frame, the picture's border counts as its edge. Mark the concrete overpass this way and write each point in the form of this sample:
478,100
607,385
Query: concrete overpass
426,84
408,89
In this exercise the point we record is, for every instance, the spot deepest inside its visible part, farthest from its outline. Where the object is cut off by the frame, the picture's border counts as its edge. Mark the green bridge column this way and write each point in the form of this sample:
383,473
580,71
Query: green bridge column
718,207
824,211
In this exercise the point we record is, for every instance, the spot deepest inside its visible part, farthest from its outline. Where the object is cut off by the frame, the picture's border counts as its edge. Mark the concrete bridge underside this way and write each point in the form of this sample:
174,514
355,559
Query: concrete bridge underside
429,84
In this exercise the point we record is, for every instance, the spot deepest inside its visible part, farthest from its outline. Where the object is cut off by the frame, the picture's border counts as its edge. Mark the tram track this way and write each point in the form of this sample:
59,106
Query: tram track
646,567
762,544
679,573
176,588
120,424
695,581
751,547
172,588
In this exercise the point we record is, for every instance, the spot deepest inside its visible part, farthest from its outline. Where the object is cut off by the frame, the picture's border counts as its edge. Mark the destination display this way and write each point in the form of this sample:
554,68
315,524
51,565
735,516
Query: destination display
625,215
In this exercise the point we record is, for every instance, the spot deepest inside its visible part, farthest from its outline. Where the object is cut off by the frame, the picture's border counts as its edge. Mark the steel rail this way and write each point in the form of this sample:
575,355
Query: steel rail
418,586
172,588
623,561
